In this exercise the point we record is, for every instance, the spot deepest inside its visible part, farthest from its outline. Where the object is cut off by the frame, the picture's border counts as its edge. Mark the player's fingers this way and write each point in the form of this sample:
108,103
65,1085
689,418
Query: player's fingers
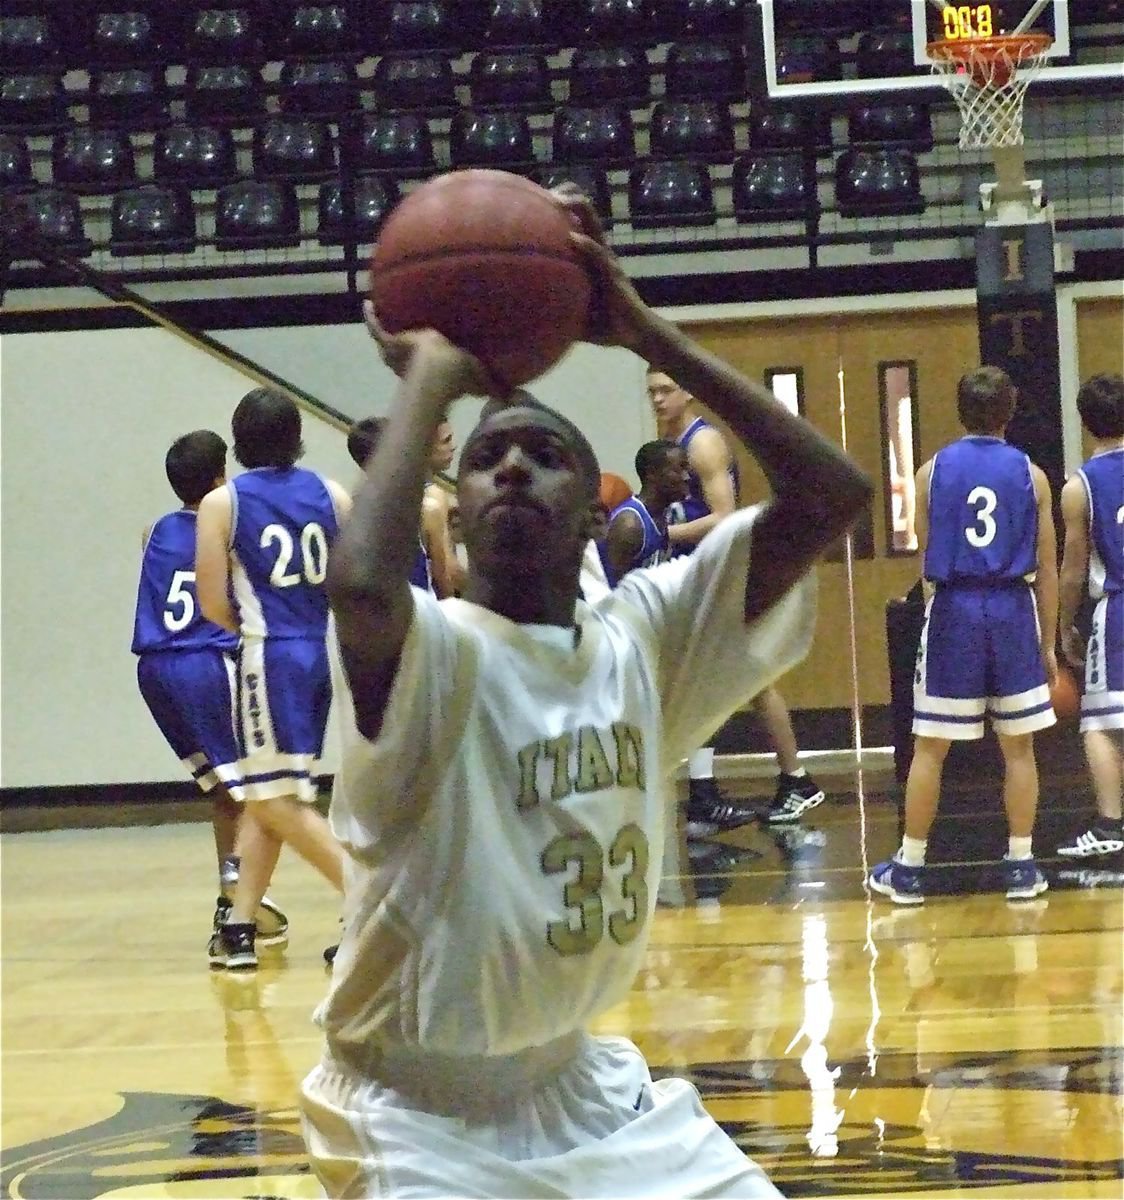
581,209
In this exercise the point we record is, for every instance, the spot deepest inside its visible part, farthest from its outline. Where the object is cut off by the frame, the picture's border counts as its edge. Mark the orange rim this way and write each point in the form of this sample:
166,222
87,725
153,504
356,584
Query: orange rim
1019,46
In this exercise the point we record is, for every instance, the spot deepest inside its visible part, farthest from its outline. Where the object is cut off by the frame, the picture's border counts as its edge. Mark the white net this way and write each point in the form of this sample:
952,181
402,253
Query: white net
988,79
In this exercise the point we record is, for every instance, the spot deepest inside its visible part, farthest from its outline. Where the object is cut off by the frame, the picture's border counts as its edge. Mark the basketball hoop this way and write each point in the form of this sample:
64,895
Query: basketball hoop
988,78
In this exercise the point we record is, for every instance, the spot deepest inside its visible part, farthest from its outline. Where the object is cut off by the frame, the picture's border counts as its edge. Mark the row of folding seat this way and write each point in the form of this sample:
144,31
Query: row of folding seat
255,213
145,31
97,159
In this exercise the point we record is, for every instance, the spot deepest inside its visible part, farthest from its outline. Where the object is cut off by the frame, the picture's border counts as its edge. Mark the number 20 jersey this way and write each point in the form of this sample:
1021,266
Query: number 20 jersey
168,616
282,521
983,514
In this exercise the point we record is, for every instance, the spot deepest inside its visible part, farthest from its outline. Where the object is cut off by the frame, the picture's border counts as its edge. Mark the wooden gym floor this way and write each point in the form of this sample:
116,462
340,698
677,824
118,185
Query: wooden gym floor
970,1047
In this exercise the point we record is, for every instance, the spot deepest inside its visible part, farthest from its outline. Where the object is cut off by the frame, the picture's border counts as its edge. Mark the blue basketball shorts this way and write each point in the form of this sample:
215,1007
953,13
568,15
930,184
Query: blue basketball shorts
1102,703
980,654
284,692
190,694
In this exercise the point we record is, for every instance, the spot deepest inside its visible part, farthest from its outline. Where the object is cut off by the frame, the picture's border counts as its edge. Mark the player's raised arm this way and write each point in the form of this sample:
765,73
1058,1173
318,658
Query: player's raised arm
818,492
370,563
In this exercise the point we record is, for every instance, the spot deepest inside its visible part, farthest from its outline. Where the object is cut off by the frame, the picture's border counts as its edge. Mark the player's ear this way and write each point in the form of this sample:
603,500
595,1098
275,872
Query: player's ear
597,522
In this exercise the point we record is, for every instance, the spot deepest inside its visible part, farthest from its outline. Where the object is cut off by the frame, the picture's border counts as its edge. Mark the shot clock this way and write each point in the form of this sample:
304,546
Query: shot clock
970,22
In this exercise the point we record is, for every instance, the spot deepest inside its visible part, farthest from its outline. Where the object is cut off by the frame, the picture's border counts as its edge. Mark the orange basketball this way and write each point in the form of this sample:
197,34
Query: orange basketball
614,490
485,258
1065,695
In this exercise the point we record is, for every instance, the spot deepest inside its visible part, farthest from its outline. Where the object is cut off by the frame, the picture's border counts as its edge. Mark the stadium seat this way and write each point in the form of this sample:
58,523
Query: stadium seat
706,18
705,71
665,195
92,159
780,126
593,134
510,78
592,180
882,52
877,182
808,60
319,88
256,213
354,214
414,26
772,187
692,129
131,95
32,101
614,20
126,37
57,217
609,74
525,24
423,83
15,162
152,219
223,35
230,93
28,40
293,148
195,155
892,124
398,142
320,28
496,137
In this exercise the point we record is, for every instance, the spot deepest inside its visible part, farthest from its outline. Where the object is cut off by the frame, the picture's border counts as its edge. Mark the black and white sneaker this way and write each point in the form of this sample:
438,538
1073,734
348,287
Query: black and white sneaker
706,802
272,926
795,796
1093,843
232,948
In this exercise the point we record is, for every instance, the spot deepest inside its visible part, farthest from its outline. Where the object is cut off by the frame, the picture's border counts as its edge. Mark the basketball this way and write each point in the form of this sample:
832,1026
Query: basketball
484,257
1065,695
614,491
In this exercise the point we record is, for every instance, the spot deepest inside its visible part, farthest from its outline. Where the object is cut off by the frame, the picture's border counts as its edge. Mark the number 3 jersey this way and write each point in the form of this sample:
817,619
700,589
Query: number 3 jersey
283,520
983,514
168,616
505,830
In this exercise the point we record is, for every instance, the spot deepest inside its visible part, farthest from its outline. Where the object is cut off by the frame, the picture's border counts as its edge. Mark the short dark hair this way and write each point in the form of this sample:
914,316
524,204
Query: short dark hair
194,462
985,399
267,429
363,438
1100,401
587,459
652,456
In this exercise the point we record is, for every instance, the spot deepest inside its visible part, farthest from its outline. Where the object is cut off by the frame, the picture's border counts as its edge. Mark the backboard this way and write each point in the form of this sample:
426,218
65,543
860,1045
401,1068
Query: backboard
1088,42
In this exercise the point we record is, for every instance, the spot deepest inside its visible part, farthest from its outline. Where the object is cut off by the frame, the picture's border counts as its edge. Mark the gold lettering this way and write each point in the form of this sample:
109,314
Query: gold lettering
558,749
630,754
594,772
528,759
1017,320
1014,252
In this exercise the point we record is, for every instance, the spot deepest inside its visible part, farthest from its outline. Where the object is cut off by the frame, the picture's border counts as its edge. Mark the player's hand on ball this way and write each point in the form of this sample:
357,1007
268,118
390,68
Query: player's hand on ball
399,351
1073,647
618,316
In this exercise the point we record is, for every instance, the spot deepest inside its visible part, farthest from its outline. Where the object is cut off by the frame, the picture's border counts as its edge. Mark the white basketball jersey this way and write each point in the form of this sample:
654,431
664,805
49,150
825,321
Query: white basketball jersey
506,828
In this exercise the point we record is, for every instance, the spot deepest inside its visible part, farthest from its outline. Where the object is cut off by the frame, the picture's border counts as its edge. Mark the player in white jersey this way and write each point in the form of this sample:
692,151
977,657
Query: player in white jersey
502,790
1093,510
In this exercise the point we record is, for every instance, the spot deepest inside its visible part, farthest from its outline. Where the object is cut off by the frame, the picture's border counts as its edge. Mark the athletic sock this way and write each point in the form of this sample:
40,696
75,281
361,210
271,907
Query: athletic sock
701,764
1018,849
912,853
799,773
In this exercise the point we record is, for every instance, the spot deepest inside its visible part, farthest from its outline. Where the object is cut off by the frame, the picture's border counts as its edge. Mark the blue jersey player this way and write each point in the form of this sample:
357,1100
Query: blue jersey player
1093,511
261,560
712,493
636,535
185,663
987,645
